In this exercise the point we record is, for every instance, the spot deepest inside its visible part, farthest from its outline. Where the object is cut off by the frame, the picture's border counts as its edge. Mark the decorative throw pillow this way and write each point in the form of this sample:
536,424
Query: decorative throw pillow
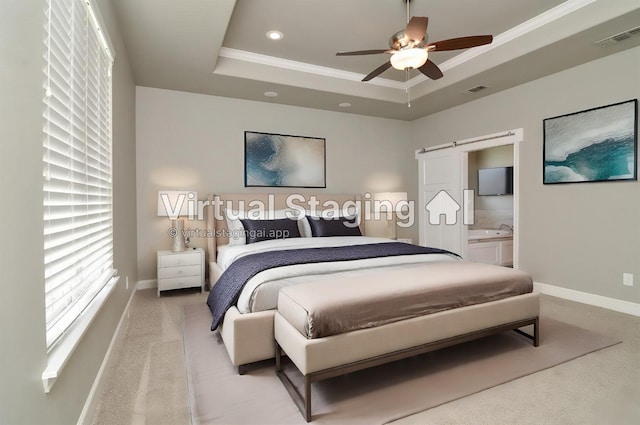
338,226
305,228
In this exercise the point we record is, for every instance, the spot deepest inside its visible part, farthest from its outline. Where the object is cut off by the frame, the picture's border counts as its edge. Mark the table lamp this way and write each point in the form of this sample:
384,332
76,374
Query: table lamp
391,201
175,204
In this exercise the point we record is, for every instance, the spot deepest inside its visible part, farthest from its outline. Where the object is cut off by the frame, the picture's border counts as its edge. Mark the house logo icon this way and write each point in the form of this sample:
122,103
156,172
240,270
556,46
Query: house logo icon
442,204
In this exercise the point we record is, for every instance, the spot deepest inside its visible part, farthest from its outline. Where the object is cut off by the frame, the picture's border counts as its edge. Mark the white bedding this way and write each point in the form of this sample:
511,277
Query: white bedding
261,292
227,254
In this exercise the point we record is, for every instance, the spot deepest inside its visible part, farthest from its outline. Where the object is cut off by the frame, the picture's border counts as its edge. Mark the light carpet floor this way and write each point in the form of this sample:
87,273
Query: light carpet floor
145,381
374,396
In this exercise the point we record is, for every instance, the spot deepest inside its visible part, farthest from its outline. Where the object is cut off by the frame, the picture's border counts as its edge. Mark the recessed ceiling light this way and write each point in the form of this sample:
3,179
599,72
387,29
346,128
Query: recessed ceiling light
270,94
275,35
344,105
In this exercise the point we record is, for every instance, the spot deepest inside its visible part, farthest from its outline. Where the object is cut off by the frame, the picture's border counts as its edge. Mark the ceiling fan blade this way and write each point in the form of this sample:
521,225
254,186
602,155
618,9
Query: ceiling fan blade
460,43
431,70
379,70
362,52
417,28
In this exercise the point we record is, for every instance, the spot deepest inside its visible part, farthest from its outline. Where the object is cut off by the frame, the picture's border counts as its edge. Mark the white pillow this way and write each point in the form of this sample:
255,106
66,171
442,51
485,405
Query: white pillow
234,225
236,229
304,227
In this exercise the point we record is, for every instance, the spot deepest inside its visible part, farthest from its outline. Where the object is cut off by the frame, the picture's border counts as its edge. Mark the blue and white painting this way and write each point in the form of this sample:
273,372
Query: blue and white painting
595,145
283,160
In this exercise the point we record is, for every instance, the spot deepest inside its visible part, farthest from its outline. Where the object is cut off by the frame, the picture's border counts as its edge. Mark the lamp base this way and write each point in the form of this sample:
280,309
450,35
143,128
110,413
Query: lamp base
392,226
178,239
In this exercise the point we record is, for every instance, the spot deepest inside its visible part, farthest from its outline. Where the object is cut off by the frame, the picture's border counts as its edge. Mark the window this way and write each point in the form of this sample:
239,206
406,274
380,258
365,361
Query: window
78,230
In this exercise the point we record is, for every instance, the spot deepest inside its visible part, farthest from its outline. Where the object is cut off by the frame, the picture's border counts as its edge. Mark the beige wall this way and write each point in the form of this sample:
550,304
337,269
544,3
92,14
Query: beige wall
576,236
22,341
196,142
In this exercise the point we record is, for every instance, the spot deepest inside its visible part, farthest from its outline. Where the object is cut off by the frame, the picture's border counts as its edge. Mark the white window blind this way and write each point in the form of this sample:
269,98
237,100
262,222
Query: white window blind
78,230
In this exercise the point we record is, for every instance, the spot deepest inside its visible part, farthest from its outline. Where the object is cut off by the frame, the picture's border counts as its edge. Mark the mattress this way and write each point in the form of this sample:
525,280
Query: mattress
261,292
320,309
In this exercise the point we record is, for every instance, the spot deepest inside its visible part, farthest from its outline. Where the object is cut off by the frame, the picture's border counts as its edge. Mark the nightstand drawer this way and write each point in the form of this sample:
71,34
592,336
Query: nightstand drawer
179,282
191,259
169,272
177,270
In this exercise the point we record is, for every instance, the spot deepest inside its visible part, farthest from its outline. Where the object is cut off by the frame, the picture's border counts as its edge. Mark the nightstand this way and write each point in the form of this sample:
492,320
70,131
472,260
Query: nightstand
178,270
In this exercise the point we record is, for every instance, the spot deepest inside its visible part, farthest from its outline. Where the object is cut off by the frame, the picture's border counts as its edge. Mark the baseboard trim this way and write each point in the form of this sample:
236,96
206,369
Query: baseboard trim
90,404
146,284
586,298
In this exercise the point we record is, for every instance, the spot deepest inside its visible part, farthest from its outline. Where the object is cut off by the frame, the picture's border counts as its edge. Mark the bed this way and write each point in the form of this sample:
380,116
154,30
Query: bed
248,337
247,325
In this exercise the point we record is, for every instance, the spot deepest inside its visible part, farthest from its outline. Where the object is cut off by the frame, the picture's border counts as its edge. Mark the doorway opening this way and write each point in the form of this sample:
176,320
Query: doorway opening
493,210
490,175
445,169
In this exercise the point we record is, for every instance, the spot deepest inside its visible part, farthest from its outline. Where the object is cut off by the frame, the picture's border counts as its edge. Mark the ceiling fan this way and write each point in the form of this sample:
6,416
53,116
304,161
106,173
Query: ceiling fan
409,48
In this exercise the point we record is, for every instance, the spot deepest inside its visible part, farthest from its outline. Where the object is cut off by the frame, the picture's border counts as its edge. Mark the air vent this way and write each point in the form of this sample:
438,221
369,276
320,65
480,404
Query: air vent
622,36
634,31
619,37
476,89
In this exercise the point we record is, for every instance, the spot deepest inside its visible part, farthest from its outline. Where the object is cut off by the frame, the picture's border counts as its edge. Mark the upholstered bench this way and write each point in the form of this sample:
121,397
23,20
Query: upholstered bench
320,350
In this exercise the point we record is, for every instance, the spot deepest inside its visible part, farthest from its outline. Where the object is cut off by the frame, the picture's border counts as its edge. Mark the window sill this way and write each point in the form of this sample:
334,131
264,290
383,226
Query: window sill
62,351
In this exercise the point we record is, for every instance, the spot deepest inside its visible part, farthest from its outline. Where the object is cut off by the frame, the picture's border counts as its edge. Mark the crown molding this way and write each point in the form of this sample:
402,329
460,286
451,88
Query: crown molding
324,71
526,27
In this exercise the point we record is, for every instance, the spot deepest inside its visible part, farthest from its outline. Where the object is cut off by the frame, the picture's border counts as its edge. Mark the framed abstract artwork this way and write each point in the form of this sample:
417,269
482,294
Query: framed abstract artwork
281,160
595,145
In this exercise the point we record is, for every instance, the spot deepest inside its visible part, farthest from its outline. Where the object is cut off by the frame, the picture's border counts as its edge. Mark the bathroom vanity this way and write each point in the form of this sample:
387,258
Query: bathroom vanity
490,246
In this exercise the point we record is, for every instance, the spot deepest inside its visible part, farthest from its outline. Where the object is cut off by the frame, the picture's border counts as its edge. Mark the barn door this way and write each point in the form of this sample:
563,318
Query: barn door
440,199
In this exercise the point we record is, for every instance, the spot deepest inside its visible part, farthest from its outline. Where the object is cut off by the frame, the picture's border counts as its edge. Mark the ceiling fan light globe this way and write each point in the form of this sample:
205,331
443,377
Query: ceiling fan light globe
409,58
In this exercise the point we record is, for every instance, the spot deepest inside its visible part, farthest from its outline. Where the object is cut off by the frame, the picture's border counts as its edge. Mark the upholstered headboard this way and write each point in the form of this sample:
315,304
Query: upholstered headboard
217,225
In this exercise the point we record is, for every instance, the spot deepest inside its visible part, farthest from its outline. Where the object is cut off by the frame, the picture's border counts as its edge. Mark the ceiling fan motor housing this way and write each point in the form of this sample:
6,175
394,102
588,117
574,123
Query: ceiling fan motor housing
399,41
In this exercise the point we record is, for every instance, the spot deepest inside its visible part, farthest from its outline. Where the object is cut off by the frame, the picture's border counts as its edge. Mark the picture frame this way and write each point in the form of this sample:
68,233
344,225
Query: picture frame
594,145
283,160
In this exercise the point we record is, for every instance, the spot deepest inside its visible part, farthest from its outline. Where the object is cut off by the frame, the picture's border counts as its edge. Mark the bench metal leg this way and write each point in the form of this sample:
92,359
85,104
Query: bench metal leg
307,398
302,402
535,338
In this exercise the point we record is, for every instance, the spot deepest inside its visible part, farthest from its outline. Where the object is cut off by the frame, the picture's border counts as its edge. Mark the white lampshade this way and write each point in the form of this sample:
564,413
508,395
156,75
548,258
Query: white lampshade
175,203
409,58
396,200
